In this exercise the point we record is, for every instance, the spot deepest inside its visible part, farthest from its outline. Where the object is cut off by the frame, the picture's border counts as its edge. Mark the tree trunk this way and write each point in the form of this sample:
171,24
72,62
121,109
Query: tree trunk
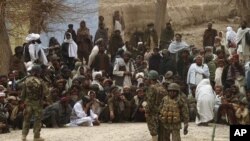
36,18
160,17
5,49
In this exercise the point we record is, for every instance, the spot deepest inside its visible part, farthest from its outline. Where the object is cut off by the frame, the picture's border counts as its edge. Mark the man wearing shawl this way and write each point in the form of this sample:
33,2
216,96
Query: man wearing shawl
176,46
231,40
243,47
69,51
205,98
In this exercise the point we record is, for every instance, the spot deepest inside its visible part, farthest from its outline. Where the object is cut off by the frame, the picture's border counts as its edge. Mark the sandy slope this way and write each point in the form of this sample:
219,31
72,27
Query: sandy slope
118,132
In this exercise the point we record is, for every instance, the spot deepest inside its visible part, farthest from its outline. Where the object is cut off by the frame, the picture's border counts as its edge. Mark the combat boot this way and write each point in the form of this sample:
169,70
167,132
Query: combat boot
23,138
39,139
155,138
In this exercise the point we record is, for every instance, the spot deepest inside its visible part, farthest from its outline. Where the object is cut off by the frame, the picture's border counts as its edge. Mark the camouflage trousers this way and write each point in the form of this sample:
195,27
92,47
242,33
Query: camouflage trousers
36,112
164,134
153,124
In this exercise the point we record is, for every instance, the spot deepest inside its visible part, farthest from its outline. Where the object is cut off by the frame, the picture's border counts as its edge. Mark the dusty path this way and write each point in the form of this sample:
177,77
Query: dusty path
118,132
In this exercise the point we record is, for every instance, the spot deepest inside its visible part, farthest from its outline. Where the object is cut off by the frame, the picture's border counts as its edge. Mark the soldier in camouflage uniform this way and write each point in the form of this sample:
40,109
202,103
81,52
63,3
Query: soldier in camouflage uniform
173,111
154,94
32,95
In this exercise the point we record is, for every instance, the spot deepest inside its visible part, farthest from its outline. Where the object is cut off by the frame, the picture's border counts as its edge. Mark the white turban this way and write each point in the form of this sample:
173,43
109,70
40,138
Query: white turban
2,94
140,74
32,37
94,74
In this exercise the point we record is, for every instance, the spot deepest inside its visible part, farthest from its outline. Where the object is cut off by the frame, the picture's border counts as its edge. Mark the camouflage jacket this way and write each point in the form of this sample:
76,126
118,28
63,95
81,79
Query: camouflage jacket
154,94
33,90
173,112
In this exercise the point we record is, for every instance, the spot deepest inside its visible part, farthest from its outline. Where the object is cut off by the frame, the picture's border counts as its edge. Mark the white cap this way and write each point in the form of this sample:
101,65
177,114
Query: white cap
32,37
140,43
2,94
140,74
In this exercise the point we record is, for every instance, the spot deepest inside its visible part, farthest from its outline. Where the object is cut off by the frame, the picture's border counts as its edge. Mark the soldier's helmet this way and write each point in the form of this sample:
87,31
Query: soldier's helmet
36,69
153,75
173,87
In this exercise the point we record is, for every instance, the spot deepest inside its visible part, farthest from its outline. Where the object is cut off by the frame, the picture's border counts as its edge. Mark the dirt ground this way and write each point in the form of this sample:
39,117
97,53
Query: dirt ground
118,132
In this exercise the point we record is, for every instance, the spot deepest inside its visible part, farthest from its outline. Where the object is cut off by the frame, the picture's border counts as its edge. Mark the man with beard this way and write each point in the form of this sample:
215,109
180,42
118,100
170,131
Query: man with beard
117,105
154,94
167,35
197,71
115,43
124,70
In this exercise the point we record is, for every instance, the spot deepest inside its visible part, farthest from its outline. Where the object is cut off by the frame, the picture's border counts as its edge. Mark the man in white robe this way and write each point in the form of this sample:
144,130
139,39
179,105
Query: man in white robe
197,72
36,49
80,116
205,97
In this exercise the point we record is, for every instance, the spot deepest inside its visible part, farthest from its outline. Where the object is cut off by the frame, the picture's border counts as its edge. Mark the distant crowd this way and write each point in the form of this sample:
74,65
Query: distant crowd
94,79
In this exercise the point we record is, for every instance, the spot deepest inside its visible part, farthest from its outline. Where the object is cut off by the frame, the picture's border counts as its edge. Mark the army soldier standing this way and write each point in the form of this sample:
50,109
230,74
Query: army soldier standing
173,111
154,94
32,95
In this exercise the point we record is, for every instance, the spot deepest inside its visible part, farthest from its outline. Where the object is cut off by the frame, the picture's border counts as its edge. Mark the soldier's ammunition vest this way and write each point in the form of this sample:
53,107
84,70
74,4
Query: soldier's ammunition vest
33,88
170,112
